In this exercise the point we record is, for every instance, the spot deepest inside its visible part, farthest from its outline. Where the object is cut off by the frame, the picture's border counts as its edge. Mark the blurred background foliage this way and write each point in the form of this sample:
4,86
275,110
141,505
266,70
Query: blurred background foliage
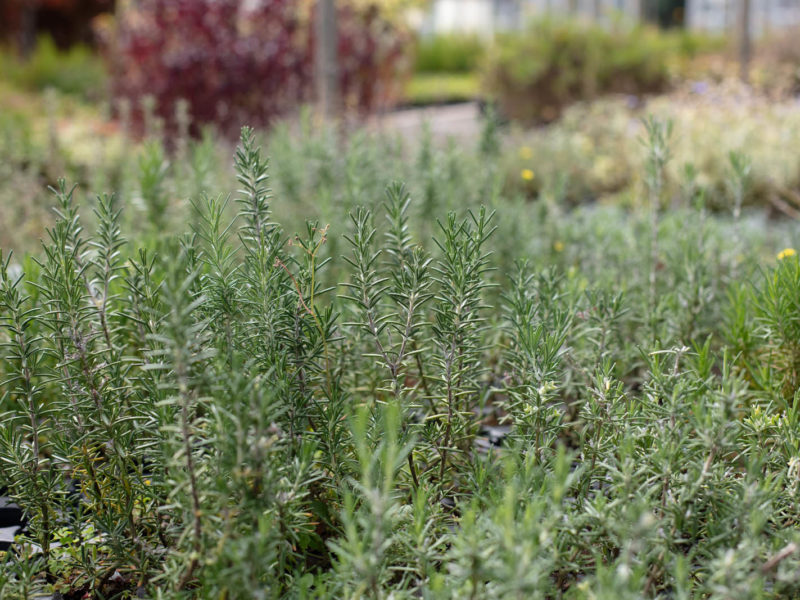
76,71
237,62
570,94
535,74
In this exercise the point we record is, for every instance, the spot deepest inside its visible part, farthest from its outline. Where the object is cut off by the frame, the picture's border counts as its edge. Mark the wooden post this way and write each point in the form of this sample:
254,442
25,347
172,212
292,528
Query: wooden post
745,42
327,59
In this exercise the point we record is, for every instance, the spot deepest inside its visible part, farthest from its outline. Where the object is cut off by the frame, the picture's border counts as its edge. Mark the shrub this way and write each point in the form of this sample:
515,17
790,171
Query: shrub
76,71
535,74
374,57
595,152
449,53
441,88
235,61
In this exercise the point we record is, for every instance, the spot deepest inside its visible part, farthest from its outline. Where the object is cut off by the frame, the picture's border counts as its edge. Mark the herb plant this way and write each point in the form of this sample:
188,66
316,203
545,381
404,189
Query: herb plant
449,394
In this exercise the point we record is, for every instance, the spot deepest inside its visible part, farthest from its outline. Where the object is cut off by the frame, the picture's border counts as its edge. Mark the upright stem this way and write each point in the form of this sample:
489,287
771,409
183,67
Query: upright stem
186,434
655,196
450,416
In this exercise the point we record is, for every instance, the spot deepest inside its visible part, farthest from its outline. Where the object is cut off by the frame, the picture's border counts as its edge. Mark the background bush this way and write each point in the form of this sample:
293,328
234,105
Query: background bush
535,74
76,71
233,62
449,53
594,150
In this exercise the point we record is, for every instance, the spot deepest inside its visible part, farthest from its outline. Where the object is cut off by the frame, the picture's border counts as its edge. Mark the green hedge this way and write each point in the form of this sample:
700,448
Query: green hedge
77,71
534,74
449,53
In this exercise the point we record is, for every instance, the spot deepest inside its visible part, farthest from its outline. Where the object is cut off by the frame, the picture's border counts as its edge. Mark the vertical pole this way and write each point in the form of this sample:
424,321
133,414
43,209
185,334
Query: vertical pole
573,7
327,57
745,42
725,20
27,27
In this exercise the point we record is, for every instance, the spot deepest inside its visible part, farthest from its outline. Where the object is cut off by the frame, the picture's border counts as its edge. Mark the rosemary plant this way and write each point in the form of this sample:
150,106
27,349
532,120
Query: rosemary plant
516,401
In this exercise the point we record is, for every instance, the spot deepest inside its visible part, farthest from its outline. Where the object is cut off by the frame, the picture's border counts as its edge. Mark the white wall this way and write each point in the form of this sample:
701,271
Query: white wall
585,7
473,16
485,16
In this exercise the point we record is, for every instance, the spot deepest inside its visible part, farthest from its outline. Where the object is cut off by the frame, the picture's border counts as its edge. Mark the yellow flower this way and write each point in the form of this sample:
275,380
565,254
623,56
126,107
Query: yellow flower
558,246
525,153
527,175
786,253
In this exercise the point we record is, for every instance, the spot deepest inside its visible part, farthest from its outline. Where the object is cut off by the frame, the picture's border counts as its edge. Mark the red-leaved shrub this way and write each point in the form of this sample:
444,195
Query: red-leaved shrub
243,61
374,57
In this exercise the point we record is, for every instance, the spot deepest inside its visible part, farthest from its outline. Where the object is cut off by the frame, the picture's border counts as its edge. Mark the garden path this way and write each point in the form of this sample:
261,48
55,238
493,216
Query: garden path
461,121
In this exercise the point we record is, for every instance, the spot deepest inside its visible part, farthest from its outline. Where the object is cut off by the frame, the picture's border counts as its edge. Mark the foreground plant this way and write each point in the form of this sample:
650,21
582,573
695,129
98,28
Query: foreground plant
237,412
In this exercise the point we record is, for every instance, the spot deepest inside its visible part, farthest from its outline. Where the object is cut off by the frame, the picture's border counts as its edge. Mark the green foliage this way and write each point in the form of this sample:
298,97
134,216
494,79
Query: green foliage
535,74
765,326
153,167
593,152
212,406
449,53
438,88
446,69
76,71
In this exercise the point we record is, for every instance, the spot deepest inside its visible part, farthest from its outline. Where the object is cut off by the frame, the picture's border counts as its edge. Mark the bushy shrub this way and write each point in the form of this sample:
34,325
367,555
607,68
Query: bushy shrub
449,53
374,57
76,71
236,61
425,89
536,73
594,149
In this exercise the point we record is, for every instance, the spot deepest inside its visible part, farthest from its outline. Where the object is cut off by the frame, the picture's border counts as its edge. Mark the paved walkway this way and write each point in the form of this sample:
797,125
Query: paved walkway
461,121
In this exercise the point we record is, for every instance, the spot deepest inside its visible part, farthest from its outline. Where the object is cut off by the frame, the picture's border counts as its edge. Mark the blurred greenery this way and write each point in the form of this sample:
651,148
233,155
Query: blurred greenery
437,88
449,53
592,154
446,69
77,71
596,151
536,73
